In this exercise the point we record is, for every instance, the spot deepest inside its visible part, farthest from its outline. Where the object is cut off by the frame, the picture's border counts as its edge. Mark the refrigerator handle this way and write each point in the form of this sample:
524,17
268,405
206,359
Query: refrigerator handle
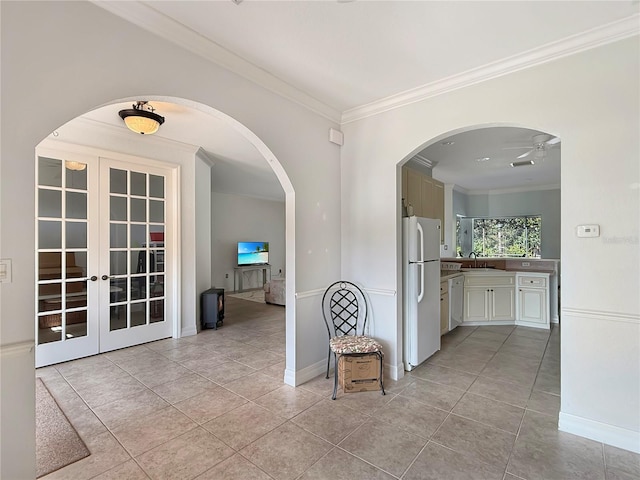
420,242
421,280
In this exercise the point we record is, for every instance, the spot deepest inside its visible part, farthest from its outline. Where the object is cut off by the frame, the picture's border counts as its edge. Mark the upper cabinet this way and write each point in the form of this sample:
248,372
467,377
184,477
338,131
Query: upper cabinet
424,194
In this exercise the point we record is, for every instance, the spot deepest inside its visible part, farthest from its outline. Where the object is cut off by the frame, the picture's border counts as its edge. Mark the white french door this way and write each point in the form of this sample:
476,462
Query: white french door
104,250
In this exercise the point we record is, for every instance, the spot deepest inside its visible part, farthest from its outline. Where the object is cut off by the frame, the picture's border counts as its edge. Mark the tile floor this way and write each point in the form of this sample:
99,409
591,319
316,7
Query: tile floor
214,406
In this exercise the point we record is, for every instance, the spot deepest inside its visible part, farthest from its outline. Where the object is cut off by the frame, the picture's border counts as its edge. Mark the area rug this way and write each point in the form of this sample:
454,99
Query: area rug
253,295
57,442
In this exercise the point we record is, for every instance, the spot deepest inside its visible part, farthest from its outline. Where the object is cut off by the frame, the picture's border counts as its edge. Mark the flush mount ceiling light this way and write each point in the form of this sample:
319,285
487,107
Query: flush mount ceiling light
141,118
73,165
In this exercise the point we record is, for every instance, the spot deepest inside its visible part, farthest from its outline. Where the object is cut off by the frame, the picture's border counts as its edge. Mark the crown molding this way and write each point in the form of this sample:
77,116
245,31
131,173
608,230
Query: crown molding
500,191
146,17
593,38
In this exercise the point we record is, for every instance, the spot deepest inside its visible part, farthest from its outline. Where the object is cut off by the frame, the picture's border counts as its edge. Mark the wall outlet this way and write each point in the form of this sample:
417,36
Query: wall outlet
588,231
226,275
526,264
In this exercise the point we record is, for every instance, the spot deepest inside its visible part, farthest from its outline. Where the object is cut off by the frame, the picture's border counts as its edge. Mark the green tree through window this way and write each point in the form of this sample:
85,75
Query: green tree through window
507,237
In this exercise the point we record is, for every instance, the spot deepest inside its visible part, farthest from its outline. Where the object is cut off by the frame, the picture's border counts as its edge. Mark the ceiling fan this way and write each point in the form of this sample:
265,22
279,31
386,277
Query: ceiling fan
540,144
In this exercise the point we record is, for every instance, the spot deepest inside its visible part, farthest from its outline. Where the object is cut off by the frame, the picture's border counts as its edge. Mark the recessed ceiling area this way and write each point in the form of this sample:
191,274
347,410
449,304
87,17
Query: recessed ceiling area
480,160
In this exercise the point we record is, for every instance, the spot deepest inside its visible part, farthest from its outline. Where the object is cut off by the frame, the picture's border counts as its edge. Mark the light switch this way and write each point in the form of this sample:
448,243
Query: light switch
588,230
5,270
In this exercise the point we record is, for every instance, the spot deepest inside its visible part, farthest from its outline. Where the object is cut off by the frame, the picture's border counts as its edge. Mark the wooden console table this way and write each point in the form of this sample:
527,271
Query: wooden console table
238,273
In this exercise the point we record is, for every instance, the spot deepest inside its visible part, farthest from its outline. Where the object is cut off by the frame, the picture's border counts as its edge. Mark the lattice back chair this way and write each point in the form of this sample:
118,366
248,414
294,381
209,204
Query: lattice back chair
344,308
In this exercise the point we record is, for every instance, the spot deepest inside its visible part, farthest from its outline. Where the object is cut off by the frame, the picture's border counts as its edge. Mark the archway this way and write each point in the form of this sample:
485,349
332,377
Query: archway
188,292
513,144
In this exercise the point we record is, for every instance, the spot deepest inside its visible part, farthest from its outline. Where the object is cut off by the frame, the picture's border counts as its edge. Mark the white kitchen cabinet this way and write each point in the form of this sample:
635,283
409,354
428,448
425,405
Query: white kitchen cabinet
444,307
533,299
456,301
489,298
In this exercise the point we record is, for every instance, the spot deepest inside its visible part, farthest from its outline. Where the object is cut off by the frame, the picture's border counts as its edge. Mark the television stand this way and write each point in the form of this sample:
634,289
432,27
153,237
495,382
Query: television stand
238,273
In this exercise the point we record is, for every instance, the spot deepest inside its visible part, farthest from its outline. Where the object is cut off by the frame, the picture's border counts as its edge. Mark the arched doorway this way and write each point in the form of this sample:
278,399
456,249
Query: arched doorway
101,130
487,172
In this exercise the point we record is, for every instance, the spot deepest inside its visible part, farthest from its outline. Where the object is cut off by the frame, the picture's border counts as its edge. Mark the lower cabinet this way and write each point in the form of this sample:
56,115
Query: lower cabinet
444,307
485,304
533,300
489,298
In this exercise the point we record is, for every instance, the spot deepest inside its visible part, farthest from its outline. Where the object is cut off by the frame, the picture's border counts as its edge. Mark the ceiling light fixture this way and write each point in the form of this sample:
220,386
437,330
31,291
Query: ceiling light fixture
446,144
141,118
483,159
73,165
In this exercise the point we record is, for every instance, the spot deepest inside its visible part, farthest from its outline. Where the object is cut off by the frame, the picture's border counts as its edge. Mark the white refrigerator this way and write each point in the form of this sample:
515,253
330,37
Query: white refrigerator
421,289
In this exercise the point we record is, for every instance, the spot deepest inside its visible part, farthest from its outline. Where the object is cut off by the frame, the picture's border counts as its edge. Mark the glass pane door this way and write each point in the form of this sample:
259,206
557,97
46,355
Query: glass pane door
65,329
136,221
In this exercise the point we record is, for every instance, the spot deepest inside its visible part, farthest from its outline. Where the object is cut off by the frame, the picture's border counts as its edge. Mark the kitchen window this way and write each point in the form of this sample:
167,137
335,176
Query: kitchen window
517,236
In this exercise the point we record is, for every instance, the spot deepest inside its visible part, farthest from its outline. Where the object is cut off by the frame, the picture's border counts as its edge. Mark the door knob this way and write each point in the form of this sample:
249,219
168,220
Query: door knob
105,277
93,278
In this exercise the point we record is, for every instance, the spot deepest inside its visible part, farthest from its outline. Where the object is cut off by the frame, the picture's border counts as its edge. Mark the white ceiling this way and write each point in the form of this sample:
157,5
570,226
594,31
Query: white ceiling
346,60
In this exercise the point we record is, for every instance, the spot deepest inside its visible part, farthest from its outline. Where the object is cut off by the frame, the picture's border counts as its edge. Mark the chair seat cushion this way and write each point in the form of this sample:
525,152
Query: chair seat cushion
347,344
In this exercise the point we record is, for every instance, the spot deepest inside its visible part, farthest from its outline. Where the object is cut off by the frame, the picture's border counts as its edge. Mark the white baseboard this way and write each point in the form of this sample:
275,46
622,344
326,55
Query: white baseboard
295,378
600,432
394,372
187,332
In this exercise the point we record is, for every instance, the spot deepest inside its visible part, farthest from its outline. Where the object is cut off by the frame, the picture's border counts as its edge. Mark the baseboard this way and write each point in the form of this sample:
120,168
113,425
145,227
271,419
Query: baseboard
295,378
600,432
394,372
187,332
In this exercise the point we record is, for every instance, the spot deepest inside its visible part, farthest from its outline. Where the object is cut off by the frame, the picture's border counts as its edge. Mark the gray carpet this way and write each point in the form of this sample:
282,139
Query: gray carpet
57,442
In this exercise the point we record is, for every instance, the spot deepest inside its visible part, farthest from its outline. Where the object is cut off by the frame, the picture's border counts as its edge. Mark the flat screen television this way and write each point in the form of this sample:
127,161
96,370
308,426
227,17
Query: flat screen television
253,253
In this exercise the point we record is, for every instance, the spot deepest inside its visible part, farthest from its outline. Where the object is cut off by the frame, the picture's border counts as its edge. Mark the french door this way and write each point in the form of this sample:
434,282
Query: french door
105,276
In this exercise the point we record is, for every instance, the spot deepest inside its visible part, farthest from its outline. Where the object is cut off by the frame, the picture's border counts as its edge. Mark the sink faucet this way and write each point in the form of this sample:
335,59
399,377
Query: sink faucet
475,259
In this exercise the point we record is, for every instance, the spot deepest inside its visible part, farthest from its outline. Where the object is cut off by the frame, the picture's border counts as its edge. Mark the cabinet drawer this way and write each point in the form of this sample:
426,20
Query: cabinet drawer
531,281
488,280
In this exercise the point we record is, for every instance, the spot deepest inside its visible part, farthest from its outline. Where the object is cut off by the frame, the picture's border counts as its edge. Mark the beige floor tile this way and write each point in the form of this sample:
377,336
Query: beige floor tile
436,462
621,462
320,385
111,390
396,386
330,420
143,434
276,370
128,470
412,416
125,409
543,402
154,376
463,435
434,394
534,333
389,448
506,392
542,452
339,465
288,401
234,468
365,402
243,425
444,376
286,452
206,363
254,385
184,387
184,457
209,404
549,383
490,412
260,359
186,352
227,372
